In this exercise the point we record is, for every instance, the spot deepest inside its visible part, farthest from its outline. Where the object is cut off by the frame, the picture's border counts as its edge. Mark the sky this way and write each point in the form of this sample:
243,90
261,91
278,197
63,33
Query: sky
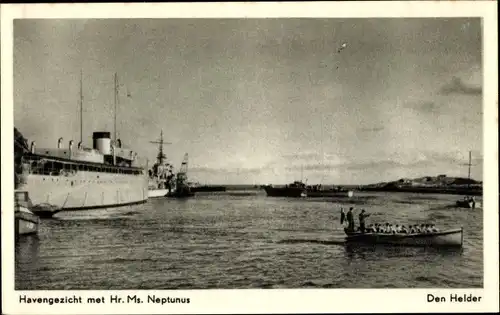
258,101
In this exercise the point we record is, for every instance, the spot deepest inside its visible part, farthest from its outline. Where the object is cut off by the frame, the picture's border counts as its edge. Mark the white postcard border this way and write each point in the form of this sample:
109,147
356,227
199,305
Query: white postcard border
269,300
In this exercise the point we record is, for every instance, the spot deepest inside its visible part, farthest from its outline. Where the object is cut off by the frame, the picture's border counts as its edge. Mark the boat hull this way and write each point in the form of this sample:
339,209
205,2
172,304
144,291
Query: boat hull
285,192
208,189
332,194
467,204
84,190
445,238
26,222
157,193
181,192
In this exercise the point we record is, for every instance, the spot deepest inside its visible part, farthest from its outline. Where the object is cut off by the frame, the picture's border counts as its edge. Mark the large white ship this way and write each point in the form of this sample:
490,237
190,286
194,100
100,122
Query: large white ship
79,178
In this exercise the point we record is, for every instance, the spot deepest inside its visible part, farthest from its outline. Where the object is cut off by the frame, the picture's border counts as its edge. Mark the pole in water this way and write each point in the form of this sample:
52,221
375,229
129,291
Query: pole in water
470,163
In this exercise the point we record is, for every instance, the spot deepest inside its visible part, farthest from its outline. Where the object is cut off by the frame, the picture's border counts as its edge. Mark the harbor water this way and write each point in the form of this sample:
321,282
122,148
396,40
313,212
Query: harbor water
247,240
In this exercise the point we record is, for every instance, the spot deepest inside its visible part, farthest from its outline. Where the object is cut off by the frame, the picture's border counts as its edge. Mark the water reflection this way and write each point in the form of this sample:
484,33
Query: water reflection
376,251
27,249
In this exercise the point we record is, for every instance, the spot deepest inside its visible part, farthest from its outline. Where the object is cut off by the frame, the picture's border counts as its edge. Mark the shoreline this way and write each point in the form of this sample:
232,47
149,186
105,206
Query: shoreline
426,190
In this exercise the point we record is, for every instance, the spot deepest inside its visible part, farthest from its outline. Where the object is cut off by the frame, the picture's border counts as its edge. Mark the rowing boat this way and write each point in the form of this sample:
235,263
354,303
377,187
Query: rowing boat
452,237
26,222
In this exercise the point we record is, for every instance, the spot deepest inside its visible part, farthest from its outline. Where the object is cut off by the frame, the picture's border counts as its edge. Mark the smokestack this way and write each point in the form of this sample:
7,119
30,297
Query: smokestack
59,143
33,147
70,147
79,145
114,154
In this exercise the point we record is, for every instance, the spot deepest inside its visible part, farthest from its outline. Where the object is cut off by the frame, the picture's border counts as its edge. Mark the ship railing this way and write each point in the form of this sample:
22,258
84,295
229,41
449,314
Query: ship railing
55,168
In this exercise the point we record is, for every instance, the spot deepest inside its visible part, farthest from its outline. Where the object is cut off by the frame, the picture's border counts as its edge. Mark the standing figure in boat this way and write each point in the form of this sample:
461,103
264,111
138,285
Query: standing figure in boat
362,216
342,217
350,219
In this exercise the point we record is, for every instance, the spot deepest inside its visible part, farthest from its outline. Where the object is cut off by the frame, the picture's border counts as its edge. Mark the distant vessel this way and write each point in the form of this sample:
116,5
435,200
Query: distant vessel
207,188
300,189
26,222
296,189
468,201
319,191
182,189
69,178
161,178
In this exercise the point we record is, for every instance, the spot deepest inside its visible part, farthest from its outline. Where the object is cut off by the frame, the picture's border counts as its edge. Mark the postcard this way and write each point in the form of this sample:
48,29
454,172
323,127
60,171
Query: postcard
190,158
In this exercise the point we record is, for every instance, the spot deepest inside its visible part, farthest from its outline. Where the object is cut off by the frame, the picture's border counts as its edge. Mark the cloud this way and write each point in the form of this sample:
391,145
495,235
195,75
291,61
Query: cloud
315,167
458,86
372,129
403,164
210,170
400,160
301,155
423,106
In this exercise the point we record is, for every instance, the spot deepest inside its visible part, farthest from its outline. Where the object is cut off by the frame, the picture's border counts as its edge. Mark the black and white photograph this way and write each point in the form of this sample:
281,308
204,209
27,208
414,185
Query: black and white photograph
248,153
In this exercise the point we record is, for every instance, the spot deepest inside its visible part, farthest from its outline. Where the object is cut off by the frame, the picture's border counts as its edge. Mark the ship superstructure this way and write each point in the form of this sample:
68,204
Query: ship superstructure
182,189
79,178
161,176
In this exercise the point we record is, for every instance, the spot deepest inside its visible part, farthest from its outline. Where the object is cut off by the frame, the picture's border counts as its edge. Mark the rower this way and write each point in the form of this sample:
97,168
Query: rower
372,228
391,229
403,229
428,228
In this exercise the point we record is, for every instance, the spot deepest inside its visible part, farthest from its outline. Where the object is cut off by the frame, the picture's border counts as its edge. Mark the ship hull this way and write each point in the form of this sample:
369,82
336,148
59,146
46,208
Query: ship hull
467,204
332,193
284,192
157,193
208,189
84,190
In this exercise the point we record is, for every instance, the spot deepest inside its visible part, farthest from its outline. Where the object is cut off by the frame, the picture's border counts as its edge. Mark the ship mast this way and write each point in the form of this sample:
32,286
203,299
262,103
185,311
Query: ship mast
182,174
81,107
161,156
116,101
469,167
